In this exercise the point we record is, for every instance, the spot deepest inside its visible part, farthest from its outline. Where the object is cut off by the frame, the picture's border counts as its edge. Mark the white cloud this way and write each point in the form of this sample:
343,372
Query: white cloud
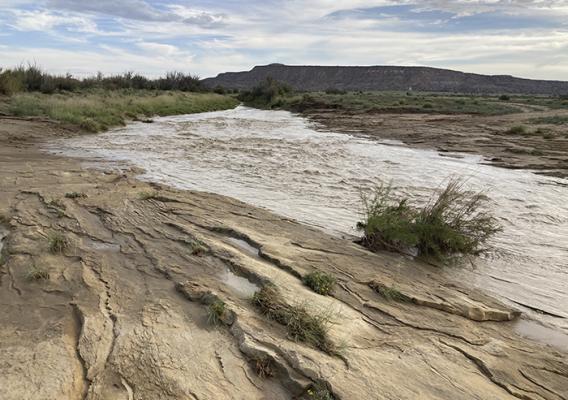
161,49
46,21
227,36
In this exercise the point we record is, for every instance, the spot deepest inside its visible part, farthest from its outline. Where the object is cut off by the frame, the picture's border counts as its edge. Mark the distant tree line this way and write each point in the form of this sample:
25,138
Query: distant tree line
33,79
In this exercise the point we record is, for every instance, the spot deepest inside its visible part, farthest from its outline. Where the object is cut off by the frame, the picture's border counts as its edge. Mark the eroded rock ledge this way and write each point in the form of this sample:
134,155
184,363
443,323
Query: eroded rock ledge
124,311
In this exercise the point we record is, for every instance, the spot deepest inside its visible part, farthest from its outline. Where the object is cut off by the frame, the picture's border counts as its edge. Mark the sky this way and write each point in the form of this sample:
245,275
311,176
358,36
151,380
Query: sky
526,38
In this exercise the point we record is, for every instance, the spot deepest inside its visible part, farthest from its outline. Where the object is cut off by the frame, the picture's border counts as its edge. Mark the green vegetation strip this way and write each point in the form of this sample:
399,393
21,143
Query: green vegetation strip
271,94
99,110
552,120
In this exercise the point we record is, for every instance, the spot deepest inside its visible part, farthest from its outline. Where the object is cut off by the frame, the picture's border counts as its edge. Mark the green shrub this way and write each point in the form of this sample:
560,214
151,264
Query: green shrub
219,90
10,83
389,223
320,282
452,223
504,97
265,93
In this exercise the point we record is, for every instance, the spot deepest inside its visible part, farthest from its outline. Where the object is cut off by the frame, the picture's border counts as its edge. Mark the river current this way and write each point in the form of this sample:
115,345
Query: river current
278,161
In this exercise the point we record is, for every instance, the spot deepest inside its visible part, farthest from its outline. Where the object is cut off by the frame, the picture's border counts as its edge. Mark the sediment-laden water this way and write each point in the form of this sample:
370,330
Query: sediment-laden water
278,161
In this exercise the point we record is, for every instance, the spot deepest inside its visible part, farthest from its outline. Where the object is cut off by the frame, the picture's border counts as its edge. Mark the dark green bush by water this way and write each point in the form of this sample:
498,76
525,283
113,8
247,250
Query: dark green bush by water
454,222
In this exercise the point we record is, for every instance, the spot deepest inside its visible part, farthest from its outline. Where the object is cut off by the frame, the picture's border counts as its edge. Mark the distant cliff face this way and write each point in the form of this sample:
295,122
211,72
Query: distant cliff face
316,78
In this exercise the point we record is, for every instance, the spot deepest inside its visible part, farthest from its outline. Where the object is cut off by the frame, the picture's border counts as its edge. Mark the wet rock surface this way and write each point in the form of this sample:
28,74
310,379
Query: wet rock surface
122,312
488,136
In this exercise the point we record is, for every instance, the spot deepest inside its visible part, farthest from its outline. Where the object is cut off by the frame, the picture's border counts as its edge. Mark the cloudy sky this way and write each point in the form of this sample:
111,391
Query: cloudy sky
527,38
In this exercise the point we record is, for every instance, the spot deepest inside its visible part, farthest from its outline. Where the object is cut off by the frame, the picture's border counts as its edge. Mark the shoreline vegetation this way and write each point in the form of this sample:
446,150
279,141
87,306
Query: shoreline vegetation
98,109
454,223
272,94
98,103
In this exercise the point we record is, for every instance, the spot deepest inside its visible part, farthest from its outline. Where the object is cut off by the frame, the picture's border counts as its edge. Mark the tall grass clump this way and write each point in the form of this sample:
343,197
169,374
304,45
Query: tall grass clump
453,222
57,242
301,325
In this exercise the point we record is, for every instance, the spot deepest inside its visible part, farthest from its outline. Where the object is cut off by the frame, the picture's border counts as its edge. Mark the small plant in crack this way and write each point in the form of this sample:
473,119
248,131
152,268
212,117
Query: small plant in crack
320,282
390,293
197,248
263,367
57,242
75,195
215,312
57,204
36,273
4,219
319,391
147,195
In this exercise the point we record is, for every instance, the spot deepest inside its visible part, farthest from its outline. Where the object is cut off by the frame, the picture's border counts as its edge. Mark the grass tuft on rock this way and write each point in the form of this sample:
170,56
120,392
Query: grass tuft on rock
215,312
36,273
147,195
320,282
318,391
263,367
75,195
390,293
301,325
454,222
518,130
197,248
57,242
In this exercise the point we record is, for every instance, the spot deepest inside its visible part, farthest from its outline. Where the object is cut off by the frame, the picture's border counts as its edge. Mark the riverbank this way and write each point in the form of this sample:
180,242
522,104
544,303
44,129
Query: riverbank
98,110
122,311
518,132
522,140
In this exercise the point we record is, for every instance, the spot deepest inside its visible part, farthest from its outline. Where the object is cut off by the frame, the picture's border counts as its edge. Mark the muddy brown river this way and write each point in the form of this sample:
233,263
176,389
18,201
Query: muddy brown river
277,160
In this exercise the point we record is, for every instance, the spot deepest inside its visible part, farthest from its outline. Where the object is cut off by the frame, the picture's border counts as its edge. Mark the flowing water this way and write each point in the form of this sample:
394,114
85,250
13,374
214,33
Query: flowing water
279,161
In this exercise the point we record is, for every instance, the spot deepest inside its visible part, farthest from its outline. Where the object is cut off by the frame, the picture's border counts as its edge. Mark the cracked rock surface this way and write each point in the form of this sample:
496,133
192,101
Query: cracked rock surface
123,311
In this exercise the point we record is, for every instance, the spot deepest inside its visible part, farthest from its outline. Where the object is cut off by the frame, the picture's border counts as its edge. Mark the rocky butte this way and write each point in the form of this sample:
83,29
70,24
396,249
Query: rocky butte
318,78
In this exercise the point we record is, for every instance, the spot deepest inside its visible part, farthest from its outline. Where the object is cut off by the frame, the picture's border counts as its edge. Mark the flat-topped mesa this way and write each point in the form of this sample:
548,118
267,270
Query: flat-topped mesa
388,78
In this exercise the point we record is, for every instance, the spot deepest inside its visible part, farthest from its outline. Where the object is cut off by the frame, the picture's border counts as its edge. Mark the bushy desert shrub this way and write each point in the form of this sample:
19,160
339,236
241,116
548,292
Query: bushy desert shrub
265,93
32,78
453,222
